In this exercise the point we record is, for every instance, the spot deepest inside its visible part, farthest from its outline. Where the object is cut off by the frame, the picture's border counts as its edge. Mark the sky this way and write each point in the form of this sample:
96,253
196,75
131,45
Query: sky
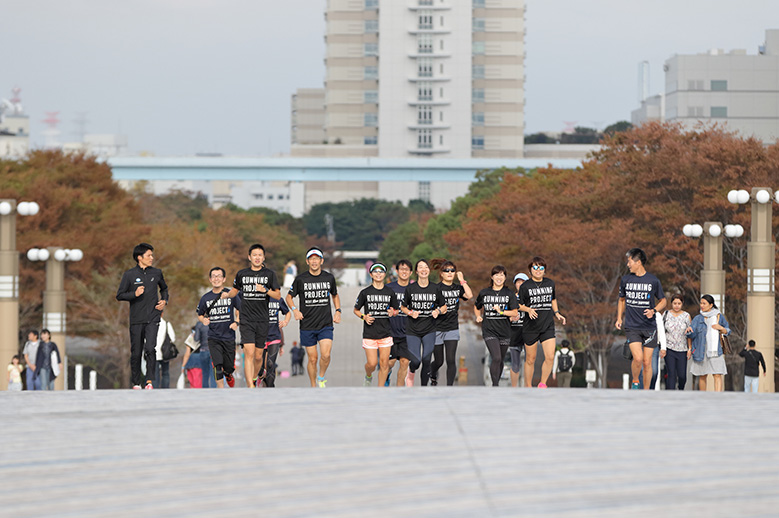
204,76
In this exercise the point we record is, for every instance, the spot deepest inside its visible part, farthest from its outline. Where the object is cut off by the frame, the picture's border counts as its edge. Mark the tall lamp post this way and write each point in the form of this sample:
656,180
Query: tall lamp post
9,280
761,264
713,274
54,299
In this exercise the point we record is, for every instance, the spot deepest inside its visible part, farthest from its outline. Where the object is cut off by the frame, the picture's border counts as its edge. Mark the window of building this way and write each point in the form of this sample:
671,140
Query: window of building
371,141
477,48
425,139
424,114
719,85
258,196
371,4
695,111
425,44
719,112
371,49
425,2
441,139
371,72
425,20
695,84
425,67
441,116
424,191
479,3
477,142
270,196
477,118
371,120
424,92
478,25
477,71
371,96
478,95
371,26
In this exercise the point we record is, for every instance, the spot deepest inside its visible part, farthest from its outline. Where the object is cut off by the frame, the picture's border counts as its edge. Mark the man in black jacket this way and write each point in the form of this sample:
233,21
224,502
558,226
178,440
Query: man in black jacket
752,361
139,286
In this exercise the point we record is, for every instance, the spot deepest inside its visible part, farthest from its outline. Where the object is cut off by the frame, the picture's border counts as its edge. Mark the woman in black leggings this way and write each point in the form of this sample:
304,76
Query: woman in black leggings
447,328
419,304
494,307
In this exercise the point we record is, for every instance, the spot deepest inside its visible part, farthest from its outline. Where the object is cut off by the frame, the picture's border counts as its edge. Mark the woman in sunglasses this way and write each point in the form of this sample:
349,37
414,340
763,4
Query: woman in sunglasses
494,306
537,298
447,334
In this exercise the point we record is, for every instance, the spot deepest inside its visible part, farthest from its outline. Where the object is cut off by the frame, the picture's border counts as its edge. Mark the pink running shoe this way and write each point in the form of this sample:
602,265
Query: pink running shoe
410,379
149,386
542,385
136,387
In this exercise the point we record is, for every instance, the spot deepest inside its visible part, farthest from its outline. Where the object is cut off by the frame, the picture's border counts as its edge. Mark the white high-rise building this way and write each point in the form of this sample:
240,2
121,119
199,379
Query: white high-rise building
424,78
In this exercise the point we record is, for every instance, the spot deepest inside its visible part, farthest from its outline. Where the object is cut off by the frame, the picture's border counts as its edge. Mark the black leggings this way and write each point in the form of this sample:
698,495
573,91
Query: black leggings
438,360
497,348
676,362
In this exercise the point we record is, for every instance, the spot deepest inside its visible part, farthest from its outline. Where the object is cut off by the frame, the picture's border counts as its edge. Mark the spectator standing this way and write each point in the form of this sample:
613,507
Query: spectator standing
297,354
196,363
15,374
753,359
165,331
30,353
564,360
45,368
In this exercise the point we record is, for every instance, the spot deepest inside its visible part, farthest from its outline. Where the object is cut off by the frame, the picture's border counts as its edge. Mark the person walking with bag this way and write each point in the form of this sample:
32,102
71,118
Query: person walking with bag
564,360
753,359
707,355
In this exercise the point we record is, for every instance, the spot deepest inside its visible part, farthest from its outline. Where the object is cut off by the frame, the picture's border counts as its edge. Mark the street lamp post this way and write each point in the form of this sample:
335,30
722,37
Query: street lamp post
761,265
54,298
9,280
713,274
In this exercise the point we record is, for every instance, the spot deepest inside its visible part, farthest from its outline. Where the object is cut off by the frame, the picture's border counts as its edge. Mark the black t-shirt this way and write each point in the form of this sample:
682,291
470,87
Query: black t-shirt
522,315
314,292
423,300
398,323
221,313
376,303
450,297
538,296
494,324
275,306
640,293
254,303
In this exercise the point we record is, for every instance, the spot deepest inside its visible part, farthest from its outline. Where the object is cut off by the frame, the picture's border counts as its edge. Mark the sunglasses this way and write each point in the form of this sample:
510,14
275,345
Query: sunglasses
539,267
448,270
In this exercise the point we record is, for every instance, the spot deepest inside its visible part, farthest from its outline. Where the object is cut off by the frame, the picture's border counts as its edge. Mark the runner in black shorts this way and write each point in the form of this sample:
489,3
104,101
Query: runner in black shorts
537,298
516,345
399,352
222,317
314,289
640,298
494,307
447,324
255,284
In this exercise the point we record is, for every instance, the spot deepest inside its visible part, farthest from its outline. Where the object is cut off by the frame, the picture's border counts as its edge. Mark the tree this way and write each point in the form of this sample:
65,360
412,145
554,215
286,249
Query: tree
617,127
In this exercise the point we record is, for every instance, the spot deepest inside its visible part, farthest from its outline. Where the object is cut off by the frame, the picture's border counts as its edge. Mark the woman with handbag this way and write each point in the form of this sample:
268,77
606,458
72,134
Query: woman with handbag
706,332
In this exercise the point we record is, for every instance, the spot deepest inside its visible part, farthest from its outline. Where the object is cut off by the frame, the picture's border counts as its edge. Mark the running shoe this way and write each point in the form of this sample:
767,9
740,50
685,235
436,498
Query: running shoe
137,387
635,386
389,375
149,386
542,385
368,381
410,379
320,382
230,380
433,381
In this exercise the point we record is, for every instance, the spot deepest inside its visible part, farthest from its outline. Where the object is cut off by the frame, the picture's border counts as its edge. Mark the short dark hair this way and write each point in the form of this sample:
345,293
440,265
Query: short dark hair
637,255
140,249
565,343
256,246
416,266
33,331
498,268
679,297
16,357
217,268
751,343
44,330
536,260
403,262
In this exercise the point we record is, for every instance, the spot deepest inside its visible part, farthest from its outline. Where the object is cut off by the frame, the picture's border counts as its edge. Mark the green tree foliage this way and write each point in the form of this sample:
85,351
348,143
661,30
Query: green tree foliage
581,135
538,138
617,127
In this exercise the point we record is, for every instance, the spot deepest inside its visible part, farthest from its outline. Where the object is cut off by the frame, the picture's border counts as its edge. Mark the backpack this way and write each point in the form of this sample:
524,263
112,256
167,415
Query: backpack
564,363
169,350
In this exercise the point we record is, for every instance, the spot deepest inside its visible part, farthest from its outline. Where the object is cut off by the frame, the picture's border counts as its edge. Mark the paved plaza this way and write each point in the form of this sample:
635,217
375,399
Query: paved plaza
422,451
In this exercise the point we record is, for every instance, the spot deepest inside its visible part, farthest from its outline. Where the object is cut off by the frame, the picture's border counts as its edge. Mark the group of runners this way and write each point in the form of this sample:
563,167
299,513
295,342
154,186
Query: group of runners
412,324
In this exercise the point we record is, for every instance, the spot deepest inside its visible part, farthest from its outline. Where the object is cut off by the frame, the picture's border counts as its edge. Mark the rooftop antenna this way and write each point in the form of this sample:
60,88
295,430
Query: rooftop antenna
52,132
570,126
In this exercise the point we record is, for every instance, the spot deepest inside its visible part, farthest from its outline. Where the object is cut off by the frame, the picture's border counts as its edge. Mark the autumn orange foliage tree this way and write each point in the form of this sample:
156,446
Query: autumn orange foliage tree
639,190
